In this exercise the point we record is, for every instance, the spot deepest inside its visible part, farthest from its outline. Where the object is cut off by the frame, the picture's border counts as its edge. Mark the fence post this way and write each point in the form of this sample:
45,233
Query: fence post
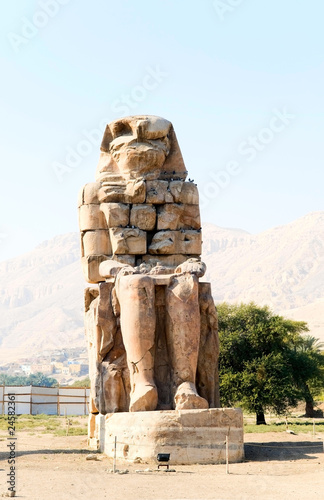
31,400
58,401
3,399
226,449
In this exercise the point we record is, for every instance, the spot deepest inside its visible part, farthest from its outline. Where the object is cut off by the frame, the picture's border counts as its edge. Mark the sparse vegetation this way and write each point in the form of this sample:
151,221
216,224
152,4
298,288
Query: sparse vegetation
48,424
295,426
85,382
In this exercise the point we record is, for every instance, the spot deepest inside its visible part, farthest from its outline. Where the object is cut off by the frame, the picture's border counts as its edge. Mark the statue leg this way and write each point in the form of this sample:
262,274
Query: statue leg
183,334
136,296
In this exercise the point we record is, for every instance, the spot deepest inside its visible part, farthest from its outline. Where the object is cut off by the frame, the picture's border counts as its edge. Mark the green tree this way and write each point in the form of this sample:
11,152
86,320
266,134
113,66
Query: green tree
85,382
260,365
33,379
41,379
308,362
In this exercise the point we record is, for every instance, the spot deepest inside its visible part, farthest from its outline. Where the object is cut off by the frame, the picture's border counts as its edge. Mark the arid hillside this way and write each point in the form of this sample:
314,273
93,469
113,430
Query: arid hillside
41,293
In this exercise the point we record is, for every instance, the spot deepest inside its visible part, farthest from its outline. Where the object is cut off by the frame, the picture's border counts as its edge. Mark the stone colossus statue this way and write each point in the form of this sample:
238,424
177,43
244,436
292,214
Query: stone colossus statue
151,325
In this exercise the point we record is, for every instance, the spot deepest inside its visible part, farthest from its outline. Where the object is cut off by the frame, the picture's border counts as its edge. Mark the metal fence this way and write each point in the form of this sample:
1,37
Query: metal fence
33,400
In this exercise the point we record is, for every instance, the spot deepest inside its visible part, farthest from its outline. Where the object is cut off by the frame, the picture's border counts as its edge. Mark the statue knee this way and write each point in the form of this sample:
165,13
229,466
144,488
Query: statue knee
183,288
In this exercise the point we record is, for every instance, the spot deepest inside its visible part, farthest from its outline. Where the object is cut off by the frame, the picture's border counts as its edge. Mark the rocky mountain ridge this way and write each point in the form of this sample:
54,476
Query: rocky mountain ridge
41,293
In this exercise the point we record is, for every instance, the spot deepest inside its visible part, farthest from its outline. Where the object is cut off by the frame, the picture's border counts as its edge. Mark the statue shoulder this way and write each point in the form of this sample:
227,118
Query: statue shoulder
89,194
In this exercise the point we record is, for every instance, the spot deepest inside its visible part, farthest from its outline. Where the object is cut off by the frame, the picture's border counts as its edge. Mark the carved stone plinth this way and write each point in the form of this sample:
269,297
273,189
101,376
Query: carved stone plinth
190,436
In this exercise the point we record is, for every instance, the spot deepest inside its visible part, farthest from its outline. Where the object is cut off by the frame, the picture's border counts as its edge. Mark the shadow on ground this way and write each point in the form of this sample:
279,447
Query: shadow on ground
19,453
287,450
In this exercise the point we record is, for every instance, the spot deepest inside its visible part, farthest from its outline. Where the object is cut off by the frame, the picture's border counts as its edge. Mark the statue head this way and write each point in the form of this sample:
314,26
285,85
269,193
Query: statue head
140,147
140,144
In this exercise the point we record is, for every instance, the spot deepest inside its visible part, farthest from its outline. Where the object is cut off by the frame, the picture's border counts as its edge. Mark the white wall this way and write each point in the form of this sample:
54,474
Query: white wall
48,400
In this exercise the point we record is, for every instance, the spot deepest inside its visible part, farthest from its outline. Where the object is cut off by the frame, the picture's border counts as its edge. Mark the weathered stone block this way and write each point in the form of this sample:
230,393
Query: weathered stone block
90,267
143,217
178,216
190,436
132,191
91,218
91,424
171,261
190,217
96,242
116,214
190,242
163,242
110,268
184,192
127,240
125,259
176,242
158,192
169,216
89,194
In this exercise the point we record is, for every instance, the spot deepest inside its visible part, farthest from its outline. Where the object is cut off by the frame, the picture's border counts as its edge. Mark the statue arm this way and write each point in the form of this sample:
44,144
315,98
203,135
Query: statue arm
95,241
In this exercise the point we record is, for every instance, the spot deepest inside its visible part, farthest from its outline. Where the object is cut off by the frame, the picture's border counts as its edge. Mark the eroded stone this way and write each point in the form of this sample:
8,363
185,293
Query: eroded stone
91,218
158,192
116,214
132,191
170,261
89,194
128,241
90,267
143,217
96,242
130,260
190,436
184,192
178,216
176,242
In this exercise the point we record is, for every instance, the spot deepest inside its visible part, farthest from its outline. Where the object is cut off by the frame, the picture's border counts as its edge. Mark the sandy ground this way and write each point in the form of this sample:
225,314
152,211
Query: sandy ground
277,466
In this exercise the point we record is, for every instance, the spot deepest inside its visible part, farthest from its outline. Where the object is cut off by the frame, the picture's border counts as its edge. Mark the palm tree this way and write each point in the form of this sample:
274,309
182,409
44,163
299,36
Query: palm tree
309,370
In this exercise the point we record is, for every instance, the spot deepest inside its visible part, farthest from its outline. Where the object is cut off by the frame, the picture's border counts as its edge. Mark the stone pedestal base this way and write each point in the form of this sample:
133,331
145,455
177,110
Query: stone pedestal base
190,436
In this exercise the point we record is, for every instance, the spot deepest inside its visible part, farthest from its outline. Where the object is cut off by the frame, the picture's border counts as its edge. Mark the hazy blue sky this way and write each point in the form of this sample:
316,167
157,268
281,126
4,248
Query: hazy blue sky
242,82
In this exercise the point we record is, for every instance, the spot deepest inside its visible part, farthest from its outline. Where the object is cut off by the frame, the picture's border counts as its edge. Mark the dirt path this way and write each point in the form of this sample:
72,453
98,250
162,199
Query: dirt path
277,466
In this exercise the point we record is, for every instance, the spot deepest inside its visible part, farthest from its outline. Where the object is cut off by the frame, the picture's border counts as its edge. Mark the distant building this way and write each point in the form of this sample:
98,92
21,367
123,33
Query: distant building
58,366
46,368
26,369
78,368
75,369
